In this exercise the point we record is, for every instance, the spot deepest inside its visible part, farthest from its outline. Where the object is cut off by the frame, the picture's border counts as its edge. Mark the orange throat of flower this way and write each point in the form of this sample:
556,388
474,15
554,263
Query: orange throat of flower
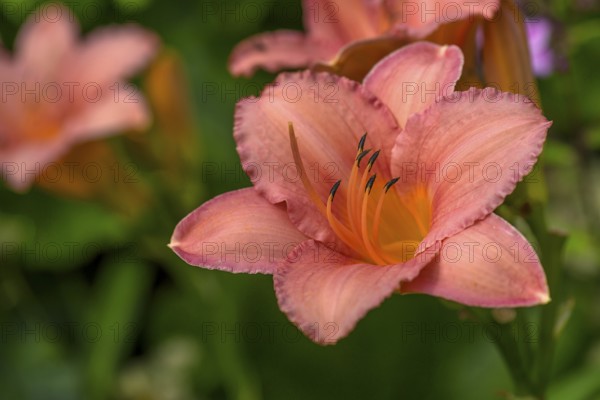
40,125
371,217
31,123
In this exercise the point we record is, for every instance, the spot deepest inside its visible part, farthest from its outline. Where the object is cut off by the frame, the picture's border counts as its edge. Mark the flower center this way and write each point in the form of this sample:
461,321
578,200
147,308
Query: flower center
372,218
38,123
33,120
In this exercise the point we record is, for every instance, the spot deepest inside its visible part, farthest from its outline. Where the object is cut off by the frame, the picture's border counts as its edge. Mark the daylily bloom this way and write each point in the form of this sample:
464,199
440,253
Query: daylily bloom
344,218
348,38
335,28
59,91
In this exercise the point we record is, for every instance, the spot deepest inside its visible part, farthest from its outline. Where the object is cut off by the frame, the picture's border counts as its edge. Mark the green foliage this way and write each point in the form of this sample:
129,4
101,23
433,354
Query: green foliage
170,331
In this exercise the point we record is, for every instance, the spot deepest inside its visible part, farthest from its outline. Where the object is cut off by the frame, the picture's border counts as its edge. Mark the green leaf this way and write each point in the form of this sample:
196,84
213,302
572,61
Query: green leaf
50,233
114,321
581,385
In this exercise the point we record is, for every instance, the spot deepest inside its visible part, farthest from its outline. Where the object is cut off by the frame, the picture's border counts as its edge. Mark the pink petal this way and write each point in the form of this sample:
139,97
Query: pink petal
109,55
22,164
414,77
330,25
489,264
469,151
329,114
325,293
237,232
114,112
415,14
107,116
45,38
344,21
273,51
12,104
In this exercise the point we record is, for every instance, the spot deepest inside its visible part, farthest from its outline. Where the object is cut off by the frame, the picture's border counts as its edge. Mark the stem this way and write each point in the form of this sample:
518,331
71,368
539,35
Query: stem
551,254
531,366
508,346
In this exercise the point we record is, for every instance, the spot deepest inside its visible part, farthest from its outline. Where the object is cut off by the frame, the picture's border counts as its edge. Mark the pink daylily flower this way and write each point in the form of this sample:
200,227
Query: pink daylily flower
333,25
341,228
59,91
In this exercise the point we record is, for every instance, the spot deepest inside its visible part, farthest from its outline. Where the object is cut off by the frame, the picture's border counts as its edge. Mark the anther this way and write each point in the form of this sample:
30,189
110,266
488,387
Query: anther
334,189
390,184
373,159
361,156
361,143
370,183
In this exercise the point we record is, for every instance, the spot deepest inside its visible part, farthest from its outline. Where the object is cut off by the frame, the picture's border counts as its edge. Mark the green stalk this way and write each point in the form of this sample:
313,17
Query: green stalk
551,245
508,346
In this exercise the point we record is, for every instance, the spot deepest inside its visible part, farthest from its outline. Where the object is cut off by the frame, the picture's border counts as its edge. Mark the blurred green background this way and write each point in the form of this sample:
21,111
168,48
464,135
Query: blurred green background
93,305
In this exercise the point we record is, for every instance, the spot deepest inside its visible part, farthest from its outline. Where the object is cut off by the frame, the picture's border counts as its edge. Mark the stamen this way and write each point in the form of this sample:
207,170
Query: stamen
363,181
358,227
390,184
310,190
373,159
379,208
350,200
334,189
339,229
356,193
361,143
369,185
364,229
360,156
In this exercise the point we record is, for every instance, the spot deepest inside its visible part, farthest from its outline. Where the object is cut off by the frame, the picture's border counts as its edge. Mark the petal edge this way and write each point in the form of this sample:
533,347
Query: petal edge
238,232
489,264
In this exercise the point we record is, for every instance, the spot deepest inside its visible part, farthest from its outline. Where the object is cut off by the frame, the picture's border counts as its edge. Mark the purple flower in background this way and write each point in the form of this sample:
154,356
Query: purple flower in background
539,35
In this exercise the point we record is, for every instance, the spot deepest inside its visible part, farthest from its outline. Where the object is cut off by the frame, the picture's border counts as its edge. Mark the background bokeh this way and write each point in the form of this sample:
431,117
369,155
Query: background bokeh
93,305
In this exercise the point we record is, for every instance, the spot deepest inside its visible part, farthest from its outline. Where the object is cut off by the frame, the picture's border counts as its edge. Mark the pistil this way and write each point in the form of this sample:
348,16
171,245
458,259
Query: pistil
310,190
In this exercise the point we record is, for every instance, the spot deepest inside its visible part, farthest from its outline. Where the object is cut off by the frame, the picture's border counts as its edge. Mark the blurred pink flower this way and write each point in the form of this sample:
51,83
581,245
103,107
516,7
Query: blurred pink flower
394,220
58,91
332,25
539,36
